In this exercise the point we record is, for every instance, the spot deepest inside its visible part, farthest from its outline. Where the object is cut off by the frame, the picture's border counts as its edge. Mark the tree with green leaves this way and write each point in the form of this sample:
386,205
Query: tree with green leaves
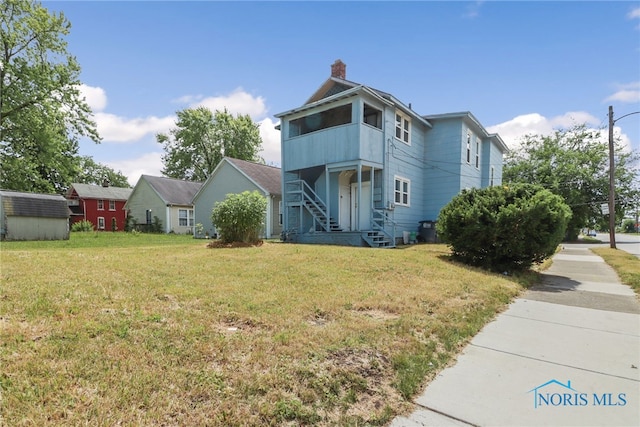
92,172
201,139
42,112
574,163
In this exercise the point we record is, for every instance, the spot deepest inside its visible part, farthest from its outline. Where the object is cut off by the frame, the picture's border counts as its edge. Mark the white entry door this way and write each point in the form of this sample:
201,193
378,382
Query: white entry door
364,222
345,201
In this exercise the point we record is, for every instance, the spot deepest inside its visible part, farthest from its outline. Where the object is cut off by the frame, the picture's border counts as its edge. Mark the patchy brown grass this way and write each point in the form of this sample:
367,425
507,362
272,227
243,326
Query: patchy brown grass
278,334
626,265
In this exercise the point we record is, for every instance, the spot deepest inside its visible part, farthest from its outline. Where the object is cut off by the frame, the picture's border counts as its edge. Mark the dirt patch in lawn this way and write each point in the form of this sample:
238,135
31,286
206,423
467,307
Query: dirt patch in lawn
219,244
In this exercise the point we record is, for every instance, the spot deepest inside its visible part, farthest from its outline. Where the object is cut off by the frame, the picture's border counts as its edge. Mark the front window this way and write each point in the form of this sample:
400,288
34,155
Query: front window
280,221
468,148
185,217
477,153
403,128
402,192
100,223
112,205
100,204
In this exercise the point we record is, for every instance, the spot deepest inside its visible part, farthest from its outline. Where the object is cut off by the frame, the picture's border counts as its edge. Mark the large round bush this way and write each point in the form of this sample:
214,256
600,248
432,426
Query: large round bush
504,228
240,217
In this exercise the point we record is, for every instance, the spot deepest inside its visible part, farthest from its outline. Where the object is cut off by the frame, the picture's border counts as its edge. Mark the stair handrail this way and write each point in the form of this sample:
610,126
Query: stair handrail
316,200
381,222
308,195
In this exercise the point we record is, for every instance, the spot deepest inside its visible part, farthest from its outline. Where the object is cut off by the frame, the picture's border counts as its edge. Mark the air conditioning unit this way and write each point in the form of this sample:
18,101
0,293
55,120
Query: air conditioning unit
391,206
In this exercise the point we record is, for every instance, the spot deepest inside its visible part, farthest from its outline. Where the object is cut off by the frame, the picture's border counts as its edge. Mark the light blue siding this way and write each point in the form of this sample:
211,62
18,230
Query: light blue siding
445,156
337,162
408,162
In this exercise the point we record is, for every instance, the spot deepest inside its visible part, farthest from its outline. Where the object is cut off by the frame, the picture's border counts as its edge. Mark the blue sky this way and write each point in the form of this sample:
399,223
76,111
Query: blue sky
519,67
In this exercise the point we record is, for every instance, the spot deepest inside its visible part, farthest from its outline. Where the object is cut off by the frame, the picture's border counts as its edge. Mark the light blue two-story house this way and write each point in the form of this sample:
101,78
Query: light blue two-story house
360,167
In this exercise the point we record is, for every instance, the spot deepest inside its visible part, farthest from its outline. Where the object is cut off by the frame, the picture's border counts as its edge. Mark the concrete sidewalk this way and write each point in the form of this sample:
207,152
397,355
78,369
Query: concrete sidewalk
566,353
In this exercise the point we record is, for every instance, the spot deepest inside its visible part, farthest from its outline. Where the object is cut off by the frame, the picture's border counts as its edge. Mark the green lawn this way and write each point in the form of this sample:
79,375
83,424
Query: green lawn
114,328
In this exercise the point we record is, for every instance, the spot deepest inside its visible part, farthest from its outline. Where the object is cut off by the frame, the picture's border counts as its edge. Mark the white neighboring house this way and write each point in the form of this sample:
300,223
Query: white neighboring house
234,176
168,199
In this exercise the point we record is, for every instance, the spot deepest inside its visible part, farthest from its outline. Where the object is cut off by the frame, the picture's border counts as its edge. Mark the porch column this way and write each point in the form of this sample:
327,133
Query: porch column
373,189
327,182
359,201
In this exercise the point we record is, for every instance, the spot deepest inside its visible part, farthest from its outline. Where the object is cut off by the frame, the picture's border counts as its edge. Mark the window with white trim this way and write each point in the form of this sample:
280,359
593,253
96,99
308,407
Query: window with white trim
112,205
280,221
402,191
185,217
100,204
100,223
477,153
403,128
469,148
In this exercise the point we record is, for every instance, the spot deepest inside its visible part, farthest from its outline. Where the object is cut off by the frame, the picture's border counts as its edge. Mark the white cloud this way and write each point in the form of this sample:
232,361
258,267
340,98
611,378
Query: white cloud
119,129
96,97
634,14
237,102
270,142
114,128
628,93
514,130
147,164
573,118
473,10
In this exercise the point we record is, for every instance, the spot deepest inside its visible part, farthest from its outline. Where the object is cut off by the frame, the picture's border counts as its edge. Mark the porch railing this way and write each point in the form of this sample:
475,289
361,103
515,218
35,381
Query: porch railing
311,201
381,221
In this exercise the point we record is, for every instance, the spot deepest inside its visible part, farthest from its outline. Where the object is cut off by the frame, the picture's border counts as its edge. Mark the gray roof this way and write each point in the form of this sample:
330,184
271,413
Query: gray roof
34,205
173,191
90,191
267,177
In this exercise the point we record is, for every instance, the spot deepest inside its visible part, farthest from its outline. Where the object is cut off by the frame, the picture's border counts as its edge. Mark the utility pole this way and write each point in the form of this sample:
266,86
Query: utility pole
612,187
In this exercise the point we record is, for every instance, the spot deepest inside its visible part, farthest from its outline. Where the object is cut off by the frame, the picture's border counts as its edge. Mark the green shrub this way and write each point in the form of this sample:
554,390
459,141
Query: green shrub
504,228
240,217
83,226
628,226
156,226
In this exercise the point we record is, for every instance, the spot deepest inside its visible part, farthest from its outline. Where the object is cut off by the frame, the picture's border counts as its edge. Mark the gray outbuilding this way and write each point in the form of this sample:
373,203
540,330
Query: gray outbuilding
32,216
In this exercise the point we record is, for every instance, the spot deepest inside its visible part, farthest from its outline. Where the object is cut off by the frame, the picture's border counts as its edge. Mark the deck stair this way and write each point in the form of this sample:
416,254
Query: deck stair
326,222
303,195
384,228
377,239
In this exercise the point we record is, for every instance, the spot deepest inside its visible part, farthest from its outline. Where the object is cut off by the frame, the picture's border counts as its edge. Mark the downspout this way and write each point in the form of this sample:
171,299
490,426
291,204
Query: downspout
168,224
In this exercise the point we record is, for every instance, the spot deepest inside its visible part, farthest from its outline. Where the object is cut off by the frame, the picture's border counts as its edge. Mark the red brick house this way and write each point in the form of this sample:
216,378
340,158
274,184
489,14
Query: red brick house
102,205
